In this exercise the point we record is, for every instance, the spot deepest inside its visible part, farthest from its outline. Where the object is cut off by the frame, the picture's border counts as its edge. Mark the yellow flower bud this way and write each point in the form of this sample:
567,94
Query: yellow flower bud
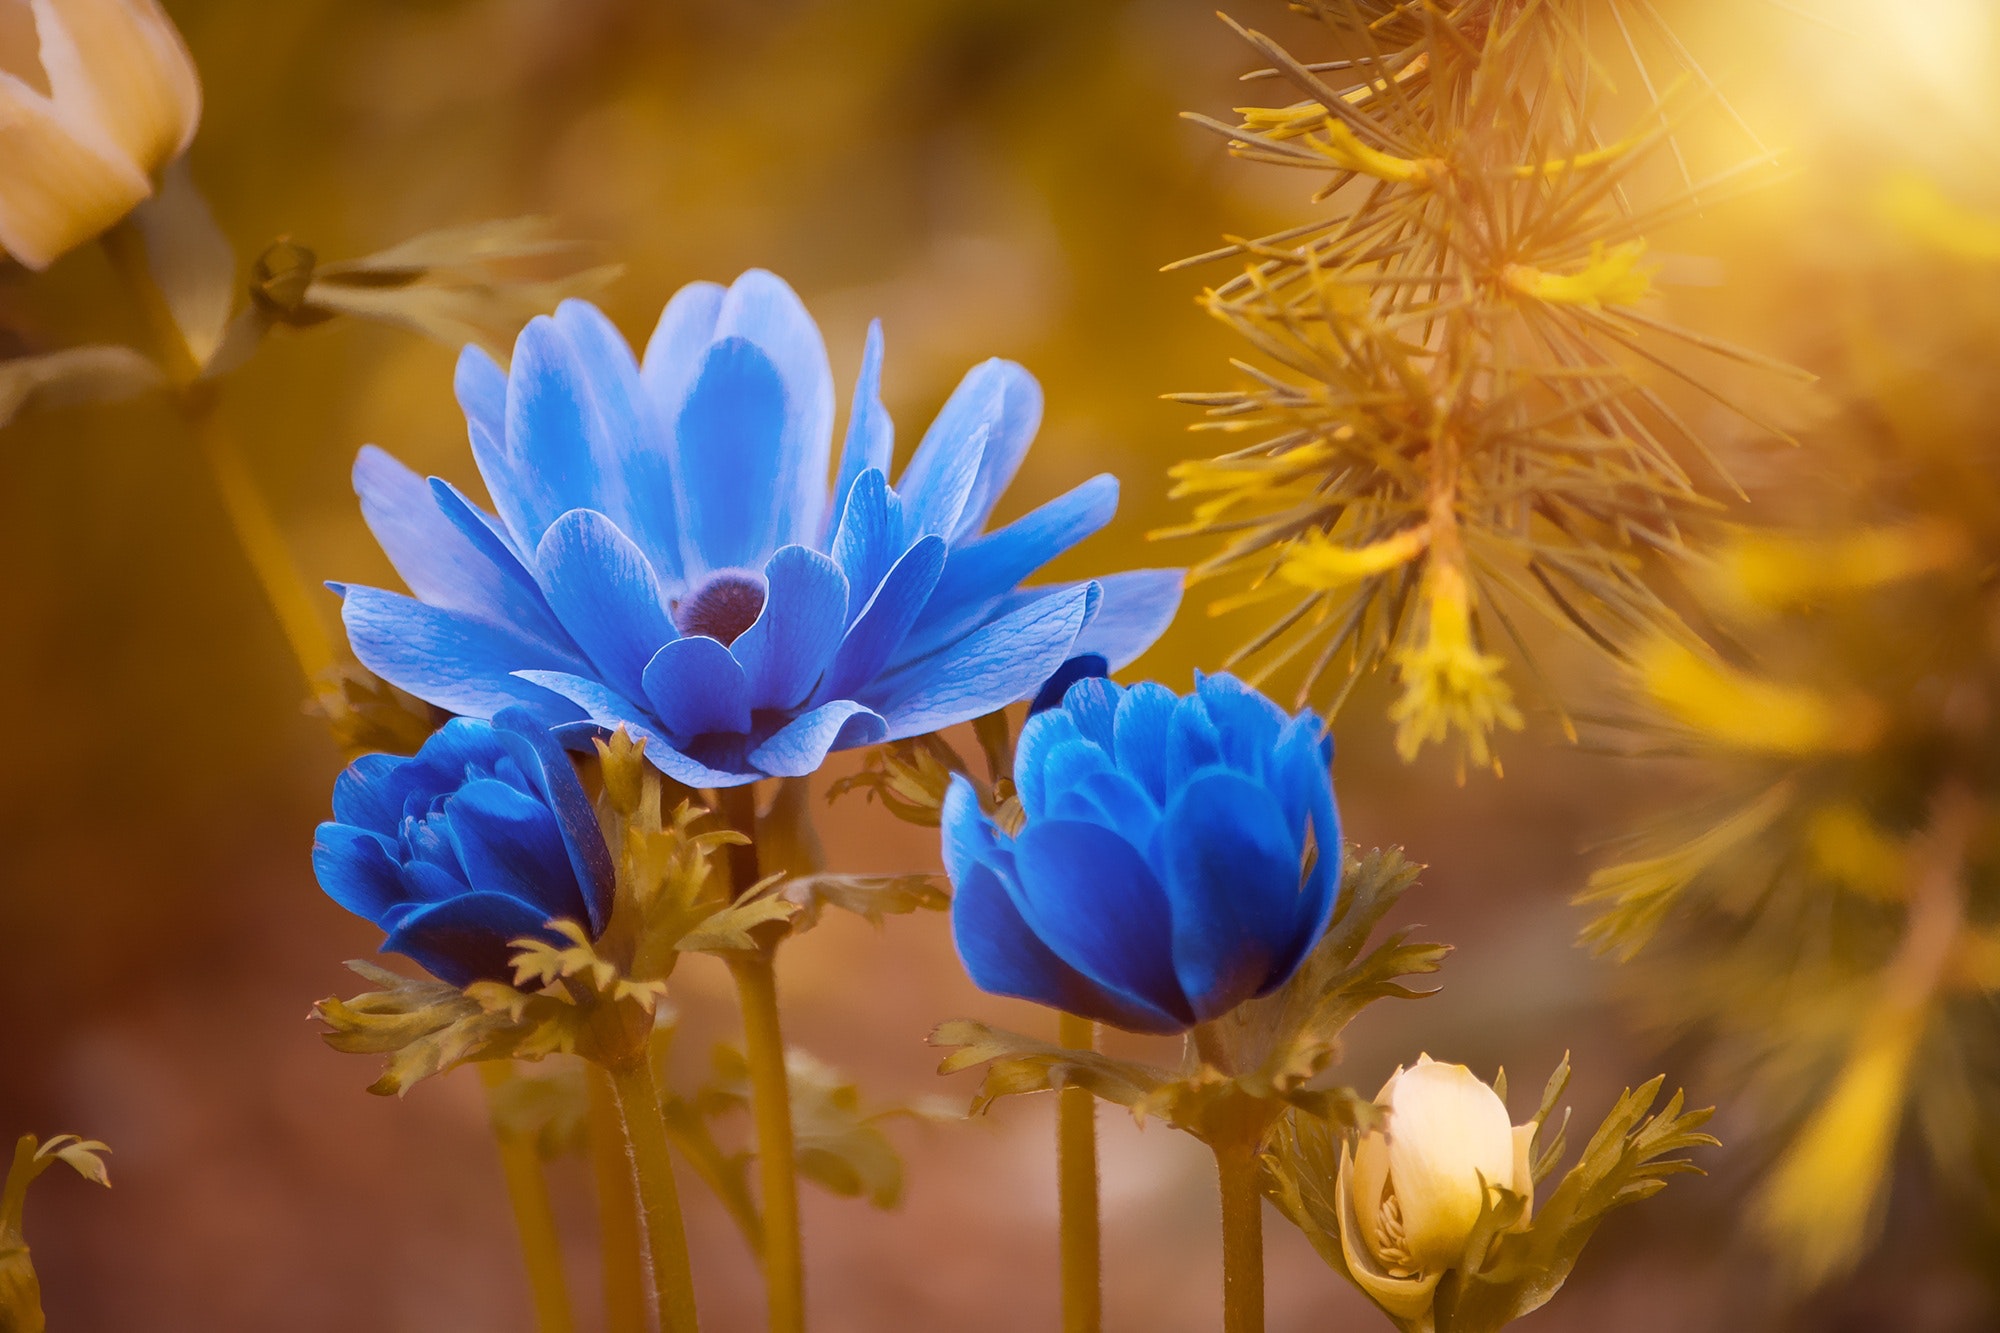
1411,1195
95,97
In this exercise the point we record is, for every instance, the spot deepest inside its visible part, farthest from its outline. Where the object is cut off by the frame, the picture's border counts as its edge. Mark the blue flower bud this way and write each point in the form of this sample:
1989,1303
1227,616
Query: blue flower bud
481,838
1178,856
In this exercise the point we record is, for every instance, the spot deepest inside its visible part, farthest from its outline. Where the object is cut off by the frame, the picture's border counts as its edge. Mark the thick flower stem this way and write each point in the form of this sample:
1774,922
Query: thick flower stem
618,1231
777,1154
1076,1177
659,1199
1242,1238
528,1191
250,518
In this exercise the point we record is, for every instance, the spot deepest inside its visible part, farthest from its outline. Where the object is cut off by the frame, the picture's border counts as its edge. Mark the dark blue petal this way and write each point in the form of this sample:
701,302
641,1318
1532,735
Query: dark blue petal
462,746
1089,895
1247,723
509,842
450,659
468,938
1041,736
539,753
801,745
369,792
355,869
796,634
999,664
606,593
1138,606
1231,870
1066,765
1299,777
1003,957
869,538
985,569
1088,666
696,687
729,442
871,436
880,628
1141,730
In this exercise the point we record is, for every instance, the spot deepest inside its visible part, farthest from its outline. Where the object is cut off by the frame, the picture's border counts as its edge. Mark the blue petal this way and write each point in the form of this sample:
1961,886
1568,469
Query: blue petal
1089,895
880,628
355,869
369,792
1231,869
982,571
801,745
604,706
450,659
606,594
627,438
437,562
1246,722
1006,445
673,354
696,688
994,666
1299,775
871,436
556,456
761,308
787,649
938,479
1109,798
509,842
462,747
869,539
538,752
1086,666
481,387
1193,742
1066,765
1093,702
468,938
1145,718
966,833
728,454
1138,606
1041,736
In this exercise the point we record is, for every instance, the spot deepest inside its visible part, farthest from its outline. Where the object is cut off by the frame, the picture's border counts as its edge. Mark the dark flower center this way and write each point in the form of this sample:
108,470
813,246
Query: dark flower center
723,607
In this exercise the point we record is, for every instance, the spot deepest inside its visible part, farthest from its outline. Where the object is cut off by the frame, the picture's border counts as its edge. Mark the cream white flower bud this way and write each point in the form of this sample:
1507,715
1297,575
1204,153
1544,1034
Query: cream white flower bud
95,97
1410,1196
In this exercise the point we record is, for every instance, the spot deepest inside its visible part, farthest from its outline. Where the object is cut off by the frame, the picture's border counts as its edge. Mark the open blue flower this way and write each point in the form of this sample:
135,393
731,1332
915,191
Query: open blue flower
1178,856
485,836
668,555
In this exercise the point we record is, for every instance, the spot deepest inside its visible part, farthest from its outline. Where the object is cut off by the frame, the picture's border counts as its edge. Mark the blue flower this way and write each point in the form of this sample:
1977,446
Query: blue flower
668,555
484,837
1178,856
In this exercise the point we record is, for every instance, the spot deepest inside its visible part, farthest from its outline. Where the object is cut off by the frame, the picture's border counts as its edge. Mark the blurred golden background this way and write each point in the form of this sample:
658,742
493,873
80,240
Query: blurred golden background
990,177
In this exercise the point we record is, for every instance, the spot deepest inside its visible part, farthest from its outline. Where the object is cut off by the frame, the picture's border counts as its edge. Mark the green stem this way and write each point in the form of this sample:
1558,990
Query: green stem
1242,1238
528,1191
618,1230
1076,1188
777,1154
256,528
659,1200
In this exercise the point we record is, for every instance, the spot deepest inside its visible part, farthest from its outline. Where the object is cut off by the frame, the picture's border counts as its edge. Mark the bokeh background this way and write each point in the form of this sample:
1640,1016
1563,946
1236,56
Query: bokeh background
990,177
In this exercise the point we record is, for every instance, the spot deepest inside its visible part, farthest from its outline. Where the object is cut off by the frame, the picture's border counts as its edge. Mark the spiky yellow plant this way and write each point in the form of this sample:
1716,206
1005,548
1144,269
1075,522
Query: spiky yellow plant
1464,398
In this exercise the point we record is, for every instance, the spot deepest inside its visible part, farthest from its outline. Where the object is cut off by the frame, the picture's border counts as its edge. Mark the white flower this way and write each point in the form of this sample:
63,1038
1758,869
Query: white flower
95,97
1409,1198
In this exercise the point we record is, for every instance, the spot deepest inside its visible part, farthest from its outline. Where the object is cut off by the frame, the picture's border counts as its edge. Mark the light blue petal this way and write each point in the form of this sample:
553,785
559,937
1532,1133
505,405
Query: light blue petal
450,659
987,568
481,387
800,746
869,538
436,561
1090,897
1064,766
697,688
728,455
785,652
1193,742
879,631
1006,445
628,439
1232,877
553,443
1138,606
990,668
1141,730
355,869
482,395
761,308
939,478
966,833
606,594
604,706
468,938
1093,702
1246,722
673,354
871,436
1112,799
